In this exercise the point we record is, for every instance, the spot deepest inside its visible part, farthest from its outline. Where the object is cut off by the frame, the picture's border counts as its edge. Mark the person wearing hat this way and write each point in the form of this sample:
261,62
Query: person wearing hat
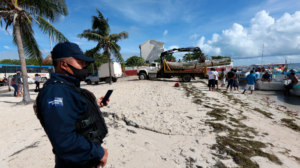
266,77
70,115
294,81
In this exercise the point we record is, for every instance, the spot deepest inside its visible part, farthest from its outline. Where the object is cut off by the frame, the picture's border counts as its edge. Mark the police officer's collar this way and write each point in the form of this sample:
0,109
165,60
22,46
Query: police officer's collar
70,79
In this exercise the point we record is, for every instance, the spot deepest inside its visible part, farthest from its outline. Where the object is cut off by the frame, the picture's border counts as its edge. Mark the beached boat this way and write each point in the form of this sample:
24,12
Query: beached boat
273,85
196,65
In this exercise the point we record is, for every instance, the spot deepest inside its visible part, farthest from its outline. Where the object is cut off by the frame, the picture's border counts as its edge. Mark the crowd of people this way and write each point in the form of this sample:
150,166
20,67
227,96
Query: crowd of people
16,82
233,79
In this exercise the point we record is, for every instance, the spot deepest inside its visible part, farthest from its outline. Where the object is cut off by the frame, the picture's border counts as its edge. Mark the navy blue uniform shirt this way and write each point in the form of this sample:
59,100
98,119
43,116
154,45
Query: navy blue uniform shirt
61,107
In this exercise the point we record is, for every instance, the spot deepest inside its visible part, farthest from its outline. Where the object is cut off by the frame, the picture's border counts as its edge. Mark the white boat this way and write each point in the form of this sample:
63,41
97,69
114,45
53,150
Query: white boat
196,65
273,85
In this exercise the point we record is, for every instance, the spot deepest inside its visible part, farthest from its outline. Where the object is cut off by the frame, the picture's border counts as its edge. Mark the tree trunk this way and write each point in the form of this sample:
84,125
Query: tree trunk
108,57
26,95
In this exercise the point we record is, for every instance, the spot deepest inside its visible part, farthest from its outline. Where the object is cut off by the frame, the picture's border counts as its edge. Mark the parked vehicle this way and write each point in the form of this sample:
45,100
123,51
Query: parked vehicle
103,74
165,71
30,80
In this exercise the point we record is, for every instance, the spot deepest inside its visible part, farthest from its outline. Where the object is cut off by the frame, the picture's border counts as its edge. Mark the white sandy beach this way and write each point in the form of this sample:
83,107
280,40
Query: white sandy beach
153,124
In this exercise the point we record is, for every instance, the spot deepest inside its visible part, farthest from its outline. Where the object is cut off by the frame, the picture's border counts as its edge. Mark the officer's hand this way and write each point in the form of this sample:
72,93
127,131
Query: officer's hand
101,104
104,159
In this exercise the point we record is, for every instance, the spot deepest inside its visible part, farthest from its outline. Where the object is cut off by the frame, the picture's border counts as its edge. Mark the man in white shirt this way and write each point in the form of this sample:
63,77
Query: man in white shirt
217,78
211,79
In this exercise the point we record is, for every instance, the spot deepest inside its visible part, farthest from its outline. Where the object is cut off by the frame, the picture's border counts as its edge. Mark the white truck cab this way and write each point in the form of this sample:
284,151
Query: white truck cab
143,72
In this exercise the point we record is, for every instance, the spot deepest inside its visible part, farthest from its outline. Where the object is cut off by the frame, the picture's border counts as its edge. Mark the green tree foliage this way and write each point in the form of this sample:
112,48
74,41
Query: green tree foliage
197,55
99,60
170,57
108,42
10,61
23,15
135,61
17,62
219,57
188,57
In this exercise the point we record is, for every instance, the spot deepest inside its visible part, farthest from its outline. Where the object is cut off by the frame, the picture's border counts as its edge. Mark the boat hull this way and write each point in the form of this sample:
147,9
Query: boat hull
273,85
195,65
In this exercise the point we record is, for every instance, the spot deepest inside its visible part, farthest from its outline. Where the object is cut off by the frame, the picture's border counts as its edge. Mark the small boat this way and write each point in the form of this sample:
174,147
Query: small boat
196,65
273,85
296,89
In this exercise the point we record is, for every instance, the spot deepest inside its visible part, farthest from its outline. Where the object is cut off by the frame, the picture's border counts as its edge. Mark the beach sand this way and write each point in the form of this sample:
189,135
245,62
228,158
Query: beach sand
153,124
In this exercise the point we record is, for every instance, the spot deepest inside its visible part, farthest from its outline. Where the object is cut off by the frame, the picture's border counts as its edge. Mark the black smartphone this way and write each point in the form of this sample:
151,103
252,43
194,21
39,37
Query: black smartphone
106,97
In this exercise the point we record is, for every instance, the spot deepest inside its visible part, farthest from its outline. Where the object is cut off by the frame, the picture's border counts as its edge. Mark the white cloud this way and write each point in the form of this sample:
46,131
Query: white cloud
165,32
280,37
173,46
77,42
6,47
194,36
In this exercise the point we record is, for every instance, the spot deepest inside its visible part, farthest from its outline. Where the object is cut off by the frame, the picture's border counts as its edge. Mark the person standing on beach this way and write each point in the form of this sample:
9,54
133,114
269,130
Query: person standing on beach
294,82
230,77
217,78
251,80
37,79
223,78
257,74
236,80
13,84
19,83
70,115
211,79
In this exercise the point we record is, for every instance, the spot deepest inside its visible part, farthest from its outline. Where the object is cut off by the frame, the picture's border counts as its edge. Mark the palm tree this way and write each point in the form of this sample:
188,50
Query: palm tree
21,14
188,57
98,57
108,42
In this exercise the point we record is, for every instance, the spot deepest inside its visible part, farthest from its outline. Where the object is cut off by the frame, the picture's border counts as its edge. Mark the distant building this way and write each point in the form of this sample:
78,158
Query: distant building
151,49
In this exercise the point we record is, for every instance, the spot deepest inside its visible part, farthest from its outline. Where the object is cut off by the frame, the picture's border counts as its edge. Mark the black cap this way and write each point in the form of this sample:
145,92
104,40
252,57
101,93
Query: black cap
68,49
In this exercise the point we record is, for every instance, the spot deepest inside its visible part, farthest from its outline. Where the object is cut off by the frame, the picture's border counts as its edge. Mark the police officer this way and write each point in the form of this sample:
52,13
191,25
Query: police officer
69,114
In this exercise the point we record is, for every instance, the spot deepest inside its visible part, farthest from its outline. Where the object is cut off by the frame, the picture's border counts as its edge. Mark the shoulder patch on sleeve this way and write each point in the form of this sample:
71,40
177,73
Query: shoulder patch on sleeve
55,102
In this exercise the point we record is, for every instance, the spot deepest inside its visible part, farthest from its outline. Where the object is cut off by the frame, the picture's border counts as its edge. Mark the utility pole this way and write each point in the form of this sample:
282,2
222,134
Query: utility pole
262,54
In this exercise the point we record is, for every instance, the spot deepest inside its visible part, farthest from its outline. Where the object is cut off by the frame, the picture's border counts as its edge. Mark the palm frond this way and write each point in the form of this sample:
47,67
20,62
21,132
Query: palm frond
119,36
100,24
115,50
50,9
48,28
91,35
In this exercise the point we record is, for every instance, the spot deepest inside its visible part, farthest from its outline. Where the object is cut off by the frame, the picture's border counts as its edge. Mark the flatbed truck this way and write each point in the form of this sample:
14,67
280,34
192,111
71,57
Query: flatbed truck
155,71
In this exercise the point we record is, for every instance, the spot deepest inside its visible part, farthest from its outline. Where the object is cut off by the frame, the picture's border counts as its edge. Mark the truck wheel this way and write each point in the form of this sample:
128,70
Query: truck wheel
43,80
142,76
186,78
88,82
107,80
114,79
96,83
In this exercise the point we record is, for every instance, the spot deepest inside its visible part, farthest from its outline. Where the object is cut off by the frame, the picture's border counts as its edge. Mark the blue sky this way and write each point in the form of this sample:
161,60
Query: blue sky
235,28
